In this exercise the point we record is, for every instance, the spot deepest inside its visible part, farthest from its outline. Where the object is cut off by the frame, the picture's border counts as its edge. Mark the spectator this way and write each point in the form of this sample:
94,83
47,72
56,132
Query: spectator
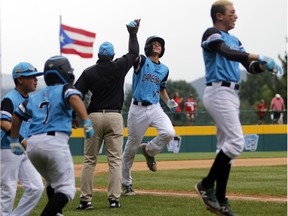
177,113
261,107
190,106
277,106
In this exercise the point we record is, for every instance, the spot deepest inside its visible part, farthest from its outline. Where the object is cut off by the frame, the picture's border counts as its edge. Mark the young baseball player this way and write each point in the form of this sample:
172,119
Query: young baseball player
50,111
149,85
105,81
222,53
15,167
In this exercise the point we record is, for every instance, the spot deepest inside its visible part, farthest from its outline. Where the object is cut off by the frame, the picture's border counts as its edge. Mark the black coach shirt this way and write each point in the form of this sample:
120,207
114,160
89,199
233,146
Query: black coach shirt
105,80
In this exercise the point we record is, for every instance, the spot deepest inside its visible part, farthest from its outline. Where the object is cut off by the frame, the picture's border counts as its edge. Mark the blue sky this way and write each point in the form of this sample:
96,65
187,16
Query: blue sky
30,30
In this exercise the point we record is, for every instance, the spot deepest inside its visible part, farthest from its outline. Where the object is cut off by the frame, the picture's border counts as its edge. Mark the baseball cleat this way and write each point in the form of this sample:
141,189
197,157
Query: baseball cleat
225,209
151,163
85,206
208,197
114,204
128,190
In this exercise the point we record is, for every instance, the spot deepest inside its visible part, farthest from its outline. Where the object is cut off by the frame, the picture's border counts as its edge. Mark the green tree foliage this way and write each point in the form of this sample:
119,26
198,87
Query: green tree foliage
183,88
263,86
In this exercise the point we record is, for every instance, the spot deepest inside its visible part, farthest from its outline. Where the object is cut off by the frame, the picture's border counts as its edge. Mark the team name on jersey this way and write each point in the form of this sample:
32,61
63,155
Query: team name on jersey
151,78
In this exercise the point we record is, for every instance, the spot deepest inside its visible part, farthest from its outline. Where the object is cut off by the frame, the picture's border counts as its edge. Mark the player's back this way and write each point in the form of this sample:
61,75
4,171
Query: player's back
50,110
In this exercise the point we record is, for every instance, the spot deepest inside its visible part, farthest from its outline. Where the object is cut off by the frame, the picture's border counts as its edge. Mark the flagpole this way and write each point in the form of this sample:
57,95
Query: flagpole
59,35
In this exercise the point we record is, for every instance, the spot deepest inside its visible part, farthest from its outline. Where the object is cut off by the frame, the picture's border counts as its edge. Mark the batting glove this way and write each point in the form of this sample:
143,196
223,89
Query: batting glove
267,63
133,26
172,105
16,147
89,131
278,71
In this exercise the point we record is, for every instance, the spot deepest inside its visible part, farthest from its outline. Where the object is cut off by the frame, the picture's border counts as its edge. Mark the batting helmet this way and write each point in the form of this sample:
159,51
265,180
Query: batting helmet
149,48
57,70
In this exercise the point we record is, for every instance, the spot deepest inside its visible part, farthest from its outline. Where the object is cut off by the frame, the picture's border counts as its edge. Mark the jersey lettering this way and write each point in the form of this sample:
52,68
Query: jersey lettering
46,105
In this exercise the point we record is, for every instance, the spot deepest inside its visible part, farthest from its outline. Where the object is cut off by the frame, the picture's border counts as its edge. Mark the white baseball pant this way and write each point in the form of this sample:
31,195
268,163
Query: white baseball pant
139,119
14,167
223,105
52,158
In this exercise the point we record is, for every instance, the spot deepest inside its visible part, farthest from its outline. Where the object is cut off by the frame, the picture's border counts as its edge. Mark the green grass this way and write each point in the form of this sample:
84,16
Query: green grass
269,181
144,205
192,156
250,181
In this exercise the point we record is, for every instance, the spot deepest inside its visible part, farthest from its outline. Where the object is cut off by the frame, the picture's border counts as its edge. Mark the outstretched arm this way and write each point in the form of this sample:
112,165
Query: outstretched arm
133,45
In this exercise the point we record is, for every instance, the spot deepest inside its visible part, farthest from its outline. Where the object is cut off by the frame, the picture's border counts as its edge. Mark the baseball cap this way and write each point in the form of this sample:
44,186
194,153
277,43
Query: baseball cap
106,49
25,69
277,96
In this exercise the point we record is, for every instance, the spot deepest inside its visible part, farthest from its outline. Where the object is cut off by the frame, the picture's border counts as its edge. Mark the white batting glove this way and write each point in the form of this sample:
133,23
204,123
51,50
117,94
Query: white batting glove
172,105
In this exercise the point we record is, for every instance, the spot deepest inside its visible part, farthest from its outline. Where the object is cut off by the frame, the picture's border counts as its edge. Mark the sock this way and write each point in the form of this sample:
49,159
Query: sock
221,183
49,191
55,204
220,161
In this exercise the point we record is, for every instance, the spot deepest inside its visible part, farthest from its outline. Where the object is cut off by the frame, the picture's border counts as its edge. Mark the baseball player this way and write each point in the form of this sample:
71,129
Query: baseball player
149,85
15,167
222,53
50,111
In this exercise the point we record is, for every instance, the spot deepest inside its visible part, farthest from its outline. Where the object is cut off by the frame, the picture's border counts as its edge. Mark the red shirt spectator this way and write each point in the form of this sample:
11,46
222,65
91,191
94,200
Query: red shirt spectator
177,113
190,105
261,107
178,100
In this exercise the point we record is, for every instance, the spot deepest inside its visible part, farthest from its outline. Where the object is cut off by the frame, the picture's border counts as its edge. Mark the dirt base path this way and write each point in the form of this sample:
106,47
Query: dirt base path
189,164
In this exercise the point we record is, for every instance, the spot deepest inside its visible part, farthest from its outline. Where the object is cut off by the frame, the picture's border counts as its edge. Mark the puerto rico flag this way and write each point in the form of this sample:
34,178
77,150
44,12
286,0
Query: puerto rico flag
76,41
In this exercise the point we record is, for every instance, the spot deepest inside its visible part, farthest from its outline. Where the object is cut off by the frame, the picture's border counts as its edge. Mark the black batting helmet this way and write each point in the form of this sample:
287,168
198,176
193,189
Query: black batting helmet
57,70
148,45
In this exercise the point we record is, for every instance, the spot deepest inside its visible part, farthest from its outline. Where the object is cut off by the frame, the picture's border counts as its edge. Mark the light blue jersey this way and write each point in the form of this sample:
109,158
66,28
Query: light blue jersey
219,68
9,103
49,109
148,79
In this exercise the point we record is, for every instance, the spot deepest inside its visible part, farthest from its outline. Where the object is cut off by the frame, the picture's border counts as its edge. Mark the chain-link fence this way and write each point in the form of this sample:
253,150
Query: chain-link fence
247,117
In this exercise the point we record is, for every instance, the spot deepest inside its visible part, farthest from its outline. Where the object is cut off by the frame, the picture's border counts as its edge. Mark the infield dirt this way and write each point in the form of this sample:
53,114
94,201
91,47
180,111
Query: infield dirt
188,164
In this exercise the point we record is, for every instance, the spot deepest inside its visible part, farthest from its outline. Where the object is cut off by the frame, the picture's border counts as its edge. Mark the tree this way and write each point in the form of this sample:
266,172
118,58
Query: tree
263,86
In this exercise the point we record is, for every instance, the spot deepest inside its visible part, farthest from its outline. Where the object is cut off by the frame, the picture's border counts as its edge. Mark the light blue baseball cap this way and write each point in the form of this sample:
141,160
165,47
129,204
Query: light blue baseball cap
106,49
25,69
